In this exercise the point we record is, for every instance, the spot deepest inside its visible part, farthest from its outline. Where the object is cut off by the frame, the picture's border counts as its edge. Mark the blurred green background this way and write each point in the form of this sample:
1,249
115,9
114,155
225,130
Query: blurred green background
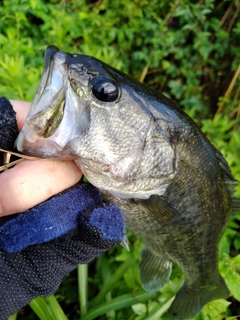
188,50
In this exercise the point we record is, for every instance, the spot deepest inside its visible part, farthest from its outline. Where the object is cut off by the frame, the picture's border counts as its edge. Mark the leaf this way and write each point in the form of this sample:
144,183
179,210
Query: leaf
230,270
41,308
139,308
216,308
119,303
224,246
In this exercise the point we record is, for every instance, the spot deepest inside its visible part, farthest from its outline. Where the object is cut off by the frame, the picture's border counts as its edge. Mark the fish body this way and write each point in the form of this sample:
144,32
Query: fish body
145,155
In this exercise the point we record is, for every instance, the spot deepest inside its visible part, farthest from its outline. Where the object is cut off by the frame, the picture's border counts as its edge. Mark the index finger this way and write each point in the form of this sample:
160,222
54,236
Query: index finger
21,108
32,182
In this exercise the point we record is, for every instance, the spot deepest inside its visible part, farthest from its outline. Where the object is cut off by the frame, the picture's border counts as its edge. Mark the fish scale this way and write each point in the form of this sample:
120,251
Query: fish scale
148,157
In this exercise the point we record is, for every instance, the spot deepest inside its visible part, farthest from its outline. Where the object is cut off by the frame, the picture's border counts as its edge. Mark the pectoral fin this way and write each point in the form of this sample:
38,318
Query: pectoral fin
154,271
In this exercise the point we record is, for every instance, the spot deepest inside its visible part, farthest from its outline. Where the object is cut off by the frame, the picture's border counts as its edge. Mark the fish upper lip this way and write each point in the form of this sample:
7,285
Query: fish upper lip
50,110
55,67
51,86
49,100
47,69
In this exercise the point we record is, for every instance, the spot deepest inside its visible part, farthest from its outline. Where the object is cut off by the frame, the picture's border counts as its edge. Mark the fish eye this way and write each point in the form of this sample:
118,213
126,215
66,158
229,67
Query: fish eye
104,89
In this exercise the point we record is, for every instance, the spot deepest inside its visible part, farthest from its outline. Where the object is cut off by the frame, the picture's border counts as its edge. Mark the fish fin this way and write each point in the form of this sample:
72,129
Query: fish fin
125,243
224,165
229,180
154,271
189,302
235,205
157,206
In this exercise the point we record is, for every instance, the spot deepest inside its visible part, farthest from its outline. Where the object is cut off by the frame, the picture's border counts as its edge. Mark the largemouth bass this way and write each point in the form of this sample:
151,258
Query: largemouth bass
145,155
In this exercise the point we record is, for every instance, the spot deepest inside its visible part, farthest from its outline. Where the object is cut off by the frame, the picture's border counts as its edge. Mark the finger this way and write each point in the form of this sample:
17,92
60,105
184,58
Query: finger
32,182
21,108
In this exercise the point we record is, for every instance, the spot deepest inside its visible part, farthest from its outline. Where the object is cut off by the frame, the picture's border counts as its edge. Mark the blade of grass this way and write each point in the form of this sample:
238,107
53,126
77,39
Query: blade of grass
157,312
234,17
114,279
121,302
41,308
83,287
13,317
10,164
168,17
23,156
56,308
20,155
229,90
106,274
145,69
225,16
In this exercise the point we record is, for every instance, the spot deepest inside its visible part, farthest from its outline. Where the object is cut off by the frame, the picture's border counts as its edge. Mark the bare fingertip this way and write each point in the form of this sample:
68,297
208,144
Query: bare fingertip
21,108
1,211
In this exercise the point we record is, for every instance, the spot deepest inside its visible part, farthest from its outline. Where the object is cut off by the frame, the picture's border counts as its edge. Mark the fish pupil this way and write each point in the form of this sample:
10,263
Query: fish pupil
104,89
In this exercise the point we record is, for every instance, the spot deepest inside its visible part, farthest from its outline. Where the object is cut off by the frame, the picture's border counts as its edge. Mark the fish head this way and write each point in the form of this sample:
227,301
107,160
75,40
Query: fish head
86,110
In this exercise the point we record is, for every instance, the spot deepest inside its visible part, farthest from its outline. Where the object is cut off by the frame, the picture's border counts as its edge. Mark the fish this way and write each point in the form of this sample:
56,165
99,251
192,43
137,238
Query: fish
148,157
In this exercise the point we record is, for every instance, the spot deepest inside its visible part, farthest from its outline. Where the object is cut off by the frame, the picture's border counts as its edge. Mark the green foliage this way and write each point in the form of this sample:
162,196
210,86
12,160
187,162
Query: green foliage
189,50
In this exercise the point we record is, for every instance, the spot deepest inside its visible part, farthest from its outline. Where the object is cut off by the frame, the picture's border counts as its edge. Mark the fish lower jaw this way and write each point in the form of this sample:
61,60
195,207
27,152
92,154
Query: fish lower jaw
19,143
33,145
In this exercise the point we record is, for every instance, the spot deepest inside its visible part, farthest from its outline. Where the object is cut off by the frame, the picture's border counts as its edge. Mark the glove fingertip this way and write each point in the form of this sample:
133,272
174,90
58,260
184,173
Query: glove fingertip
48,220
109,220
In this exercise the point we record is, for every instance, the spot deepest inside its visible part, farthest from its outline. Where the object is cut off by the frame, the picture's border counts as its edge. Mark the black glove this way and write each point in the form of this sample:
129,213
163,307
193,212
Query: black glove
39,247
8,126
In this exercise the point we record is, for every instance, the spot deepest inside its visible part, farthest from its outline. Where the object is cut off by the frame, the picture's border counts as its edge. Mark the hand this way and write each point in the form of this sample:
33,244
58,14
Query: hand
39,247
32,182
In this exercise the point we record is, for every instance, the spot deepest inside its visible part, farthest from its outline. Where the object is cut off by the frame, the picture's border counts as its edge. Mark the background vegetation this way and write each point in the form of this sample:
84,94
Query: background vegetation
190,51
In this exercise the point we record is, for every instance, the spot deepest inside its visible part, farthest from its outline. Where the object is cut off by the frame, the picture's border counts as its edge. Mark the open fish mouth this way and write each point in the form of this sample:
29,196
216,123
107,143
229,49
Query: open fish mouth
48,105
45,127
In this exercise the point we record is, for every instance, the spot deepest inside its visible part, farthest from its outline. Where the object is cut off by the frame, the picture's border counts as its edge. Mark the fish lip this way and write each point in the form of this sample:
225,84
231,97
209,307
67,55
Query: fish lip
47,108
43,148
40,102
47,69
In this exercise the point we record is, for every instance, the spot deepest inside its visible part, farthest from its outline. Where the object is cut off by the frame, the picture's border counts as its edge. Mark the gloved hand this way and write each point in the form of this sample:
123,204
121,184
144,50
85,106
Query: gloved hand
39,247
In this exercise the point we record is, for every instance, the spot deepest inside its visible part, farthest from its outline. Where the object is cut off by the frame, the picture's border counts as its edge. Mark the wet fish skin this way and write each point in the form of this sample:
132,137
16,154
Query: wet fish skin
184,226
148,157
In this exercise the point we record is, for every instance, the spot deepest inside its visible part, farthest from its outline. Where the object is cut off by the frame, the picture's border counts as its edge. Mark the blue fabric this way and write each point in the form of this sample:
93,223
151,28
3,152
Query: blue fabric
58,215
109,221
